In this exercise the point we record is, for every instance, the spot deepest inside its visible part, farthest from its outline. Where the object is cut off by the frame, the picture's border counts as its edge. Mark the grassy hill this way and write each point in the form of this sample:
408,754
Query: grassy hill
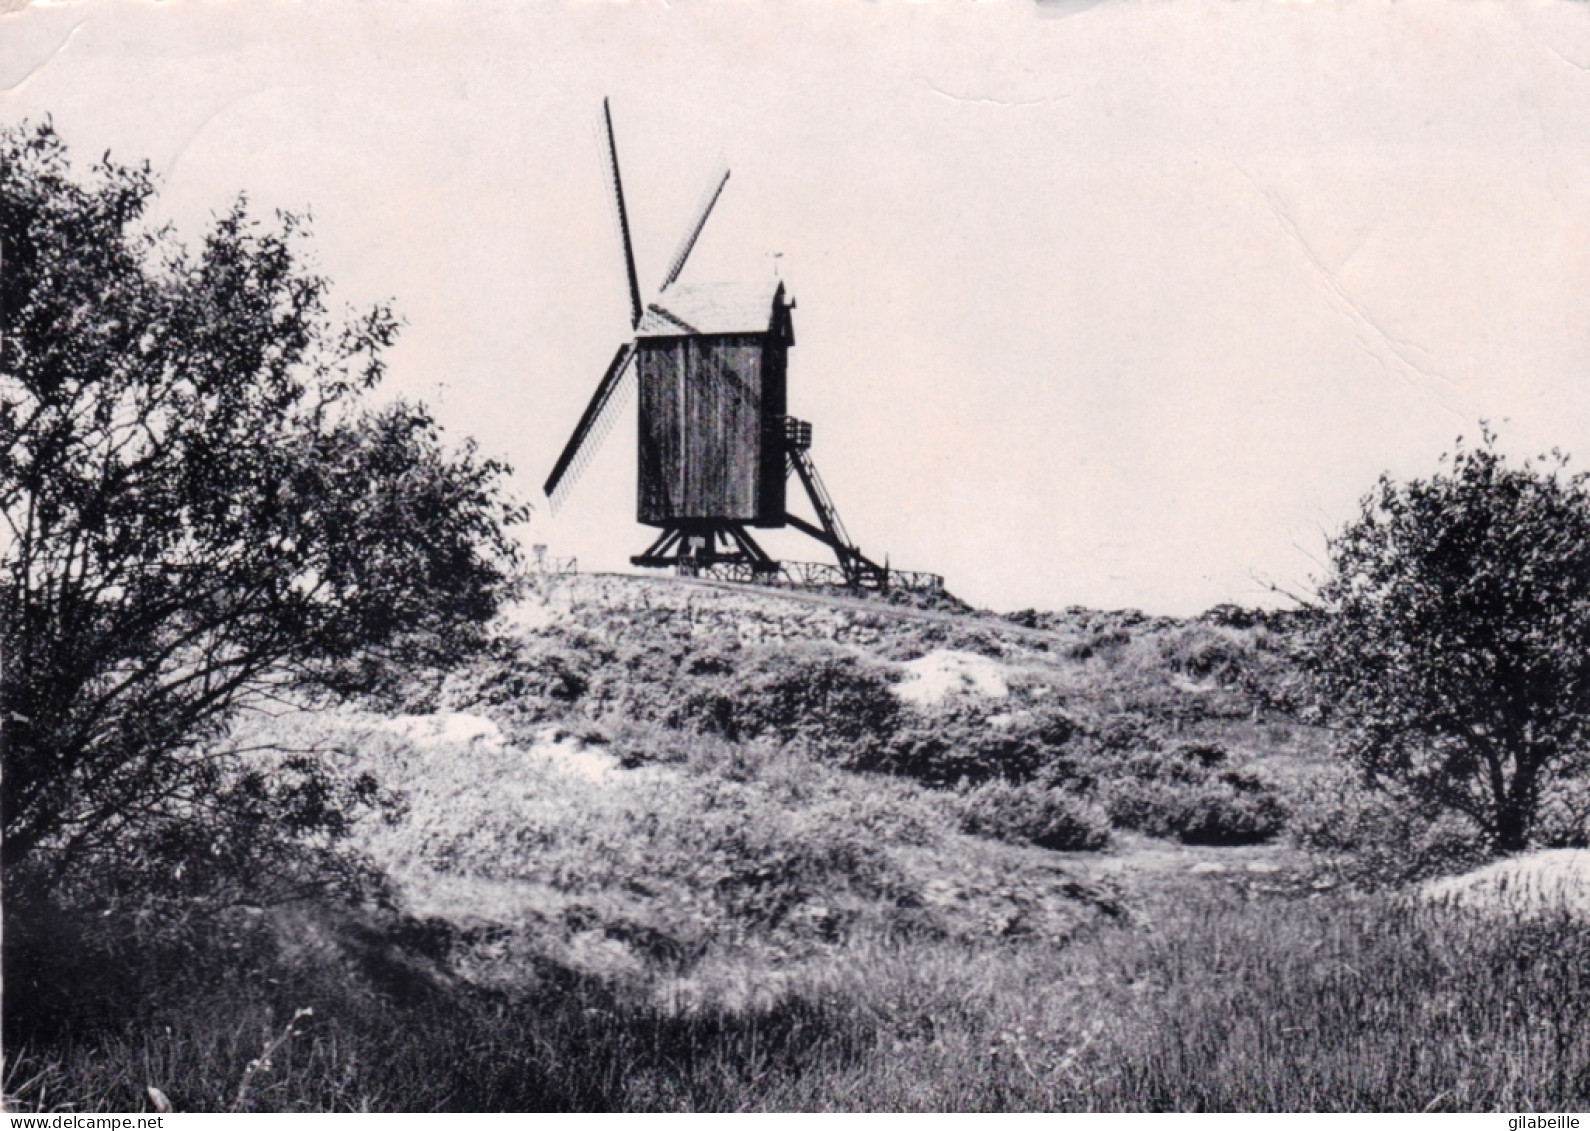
674,844
710,787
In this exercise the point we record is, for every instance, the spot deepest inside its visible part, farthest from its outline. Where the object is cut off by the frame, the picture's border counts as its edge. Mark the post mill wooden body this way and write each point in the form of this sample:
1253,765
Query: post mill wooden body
716,443
712,367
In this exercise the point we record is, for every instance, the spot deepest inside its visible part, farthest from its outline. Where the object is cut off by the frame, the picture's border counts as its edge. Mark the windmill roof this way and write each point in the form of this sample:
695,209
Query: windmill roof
712,308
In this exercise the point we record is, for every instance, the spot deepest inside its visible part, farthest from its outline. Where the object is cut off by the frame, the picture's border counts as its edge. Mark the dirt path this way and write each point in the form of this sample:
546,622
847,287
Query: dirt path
1145,868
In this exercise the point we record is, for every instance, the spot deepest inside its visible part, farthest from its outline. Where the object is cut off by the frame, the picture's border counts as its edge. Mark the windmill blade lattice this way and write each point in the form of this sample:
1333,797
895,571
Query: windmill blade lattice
693,233
595,425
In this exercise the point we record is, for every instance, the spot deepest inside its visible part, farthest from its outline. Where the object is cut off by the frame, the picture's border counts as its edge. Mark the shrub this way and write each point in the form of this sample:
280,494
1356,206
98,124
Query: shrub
1028,813
525,682
837,701
1226,814
1190,793
1564,817
1122,734
972,742
1376,838
1233,616
1205,652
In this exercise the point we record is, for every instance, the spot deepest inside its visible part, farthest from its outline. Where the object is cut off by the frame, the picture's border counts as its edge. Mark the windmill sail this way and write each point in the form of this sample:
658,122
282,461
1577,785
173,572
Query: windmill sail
623,218
595,424
693,233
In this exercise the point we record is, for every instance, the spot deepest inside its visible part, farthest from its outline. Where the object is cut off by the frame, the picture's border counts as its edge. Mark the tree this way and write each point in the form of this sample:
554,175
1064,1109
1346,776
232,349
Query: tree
1453,644
201,513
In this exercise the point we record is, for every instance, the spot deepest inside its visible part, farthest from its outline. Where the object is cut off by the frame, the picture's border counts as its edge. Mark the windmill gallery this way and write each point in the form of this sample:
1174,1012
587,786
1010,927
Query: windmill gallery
716,446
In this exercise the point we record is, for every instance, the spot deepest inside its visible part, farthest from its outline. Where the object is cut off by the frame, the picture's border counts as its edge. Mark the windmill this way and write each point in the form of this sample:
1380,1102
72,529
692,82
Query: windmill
716,446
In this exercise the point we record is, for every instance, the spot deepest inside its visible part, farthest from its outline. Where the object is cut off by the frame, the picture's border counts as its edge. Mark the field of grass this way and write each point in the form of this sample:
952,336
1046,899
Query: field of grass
1220,1004
674,847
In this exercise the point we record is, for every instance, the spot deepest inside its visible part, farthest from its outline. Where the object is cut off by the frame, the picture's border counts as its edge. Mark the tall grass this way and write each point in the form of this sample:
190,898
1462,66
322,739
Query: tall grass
1336,1003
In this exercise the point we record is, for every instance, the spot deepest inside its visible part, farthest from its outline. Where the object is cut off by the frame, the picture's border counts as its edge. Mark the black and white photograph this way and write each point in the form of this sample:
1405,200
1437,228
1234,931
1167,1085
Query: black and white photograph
965,556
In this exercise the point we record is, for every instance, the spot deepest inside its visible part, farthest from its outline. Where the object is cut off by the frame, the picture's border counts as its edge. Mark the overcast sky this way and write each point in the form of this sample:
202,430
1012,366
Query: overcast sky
1122,304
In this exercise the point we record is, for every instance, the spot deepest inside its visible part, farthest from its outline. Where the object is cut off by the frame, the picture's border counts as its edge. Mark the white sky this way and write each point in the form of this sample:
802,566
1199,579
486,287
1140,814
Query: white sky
1123,304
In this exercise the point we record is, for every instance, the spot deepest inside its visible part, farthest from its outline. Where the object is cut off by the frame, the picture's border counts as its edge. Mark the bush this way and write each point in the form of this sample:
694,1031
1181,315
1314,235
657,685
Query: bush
1223,814
1032,814
1564,817
967,743
526,682
837,701
1206,652
1190,793
1376,838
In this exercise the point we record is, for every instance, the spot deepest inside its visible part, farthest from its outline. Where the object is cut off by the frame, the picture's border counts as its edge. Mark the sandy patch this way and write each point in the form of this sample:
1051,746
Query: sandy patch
570,755
528,615
449,728
933,677
555,747
1542,882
